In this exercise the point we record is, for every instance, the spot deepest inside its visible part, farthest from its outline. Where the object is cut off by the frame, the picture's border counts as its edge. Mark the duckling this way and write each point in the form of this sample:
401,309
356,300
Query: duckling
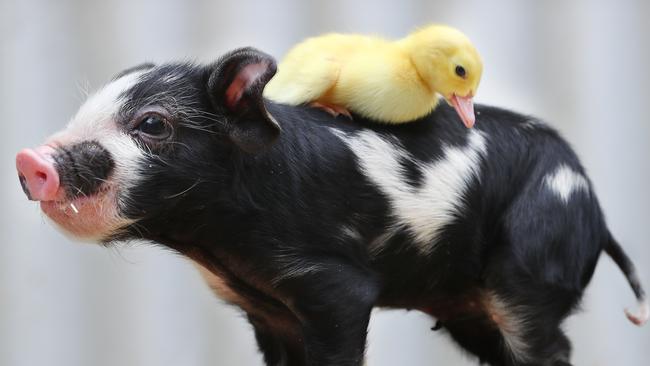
388,81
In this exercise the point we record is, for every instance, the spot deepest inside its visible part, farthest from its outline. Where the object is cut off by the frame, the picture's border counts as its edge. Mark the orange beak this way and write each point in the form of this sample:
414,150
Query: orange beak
464,106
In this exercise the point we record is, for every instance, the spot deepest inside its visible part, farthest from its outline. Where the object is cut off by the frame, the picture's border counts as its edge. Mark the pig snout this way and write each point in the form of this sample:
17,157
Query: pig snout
37,173
73,183
64,173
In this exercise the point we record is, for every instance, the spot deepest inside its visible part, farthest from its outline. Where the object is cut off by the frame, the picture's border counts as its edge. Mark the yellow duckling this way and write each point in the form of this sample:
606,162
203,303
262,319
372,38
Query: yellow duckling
392,82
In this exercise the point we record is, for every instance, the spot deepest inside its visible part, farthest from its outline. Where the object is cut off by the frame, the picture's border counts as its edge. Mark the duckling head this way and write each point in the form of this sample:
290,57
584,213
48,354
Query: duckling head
448,64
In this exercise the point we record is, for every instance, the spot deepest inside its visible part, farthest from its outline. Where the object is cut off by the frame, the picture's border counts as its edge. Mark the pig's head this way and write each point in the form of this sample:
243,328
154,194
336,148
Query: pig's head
146,150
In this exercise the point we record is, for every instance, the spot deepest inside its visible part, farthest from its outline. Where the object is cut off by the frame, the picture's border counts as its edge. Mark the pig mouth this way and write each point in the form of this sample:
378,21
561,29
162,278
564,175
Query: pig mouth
72,206
93,217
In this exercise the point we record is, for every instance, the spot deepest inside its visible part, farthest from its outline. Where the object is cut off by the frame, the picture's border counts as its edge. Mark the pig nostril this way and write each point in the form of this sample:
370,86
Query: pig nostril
42,177
23,184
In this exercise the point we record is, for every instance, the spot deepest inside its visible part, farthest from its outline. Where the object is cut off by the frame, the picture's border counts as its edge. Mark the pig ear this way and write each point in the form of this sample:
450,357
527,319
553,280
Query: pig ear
235,85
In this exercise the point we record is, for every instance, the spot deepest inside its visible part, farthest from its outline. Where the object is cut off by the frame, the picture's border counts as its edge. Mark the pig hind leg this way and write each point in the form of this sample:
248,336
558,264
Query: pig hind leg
512,332
535,272
521,317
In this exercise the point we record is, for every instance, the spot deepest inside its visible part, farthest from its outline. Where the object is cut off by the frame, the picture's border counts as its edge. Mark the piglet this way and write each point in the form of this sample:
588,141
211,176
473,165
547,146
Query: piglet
307,222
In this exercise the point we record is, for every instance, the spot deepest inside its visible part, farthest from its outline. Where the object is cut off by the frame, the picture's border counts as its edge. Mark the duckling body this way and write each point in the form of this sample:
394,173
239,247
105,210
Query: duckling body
388,81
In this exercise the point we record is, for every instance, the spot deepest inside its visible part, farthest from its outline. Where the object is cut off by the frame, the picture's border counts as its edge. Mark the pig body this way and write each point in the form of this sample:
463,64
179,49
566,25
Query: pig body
307,221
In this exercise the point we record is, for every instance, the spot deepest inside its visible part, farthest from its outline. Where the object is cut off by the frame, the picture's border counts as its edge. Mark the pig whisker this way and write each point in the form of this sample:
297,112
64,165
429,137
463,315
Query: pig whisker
205,127
210,117
202,129
117,253
84,88
79,191
199,113
190,113
101,179
140,229
179,143
92,158
146,150
185,191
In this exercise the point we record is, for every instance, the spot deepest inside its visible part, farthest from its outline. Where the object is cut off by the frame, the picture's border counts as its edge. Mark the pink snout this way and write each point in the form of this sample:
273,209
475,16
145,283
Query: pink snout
37,173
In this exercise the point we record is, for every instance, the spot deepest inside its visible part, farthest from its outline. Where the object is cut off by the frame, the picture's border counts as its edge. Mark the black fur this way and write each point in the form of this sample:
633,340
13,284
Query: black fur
269,222
83,168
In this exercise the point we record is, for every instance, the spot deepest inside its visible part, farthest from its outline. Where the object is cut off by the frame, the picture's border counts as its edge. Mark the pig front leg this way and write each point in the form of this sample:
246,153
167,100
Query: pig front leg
279,339
333,306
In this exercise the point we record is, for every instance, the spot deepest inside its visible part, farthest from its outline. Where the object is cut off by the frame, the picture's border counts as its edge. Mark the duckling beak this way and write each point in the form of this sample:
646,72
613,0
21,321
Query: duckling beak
464,106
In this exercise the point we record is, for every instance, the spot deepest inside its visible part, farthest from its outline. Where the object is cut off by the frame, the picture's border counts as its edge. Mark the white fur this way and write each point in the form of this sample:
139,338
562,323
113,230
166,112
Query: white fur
532,124
296,269
423,211
128,158
512,322
292,266
564,181
349,232
171,78
96,121
96,115
378,244
641,317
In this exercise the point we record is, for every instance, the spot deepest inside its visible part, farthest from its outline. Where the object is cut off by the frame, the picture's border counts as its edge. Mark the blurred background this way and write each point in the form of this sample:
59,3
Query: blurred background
580,65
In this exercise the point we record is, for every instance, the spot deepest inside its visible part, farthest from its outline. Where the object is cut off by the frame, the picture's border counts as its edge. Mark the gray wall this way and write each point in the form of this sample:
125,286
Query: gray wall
581,65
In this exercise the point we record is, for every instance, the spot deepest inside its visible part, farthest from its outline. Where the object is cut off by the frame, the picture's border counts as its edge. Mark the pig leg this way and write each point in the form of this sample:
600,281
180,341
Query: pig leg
334,308
527,311
278,349
548,347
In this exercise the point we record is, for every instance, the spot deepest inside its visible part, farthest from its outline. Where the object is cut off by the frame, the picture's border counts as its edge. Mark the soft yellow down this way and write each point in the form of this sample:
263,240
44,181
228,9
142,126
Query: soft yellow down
389,81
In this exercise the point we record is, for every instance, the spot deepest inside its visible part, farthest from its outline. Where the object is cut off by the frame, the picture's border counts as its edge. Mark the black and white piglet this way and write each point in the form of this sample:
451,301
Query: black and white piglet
307,222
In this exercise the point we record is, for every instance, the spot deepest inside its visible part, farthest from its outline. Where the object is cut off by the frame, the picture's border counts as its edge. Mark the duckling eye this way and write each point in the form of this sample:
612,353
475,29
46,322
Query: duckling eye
460,71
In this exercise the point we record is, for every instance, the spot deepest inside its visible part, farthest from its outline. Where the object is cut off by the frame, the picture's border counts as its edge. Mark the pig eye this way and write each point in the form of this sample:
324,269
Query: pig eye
154,126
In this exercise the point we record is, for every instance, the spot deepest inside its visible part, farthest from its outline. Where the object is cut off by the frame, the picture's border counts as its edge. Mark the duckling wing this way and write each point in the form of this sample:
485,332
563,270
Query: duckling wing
303,77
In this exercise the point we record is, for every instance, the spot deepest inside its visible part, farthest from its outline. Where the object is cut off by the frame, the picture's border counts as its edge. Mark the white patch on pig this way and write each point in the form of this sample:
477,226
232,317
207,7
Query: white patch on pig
513,323
96,116
564,181
99,216
424,211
